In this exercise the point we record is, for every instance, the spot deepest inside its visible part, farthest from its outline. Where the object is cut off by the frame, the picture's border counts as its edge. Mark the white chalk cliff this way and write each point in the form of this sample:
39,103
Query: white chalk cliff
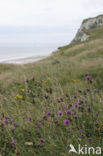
87,24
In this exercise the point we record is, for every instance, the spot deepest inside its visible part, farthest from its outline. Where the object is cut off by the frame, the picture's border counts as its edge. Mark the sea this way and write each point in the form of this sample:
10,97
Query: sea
24,42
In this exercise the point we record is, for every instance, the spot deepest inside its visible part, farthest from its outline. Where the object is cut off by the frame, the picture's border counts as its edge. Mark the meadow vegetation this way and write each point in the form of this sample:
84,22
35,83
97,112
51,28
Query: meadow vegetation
47,105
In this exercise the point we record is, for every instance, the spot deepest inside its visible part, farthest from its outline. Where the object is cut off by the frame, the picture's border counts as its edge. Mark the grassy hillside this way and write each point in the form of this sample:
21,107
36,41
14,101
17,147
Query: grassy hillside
48,105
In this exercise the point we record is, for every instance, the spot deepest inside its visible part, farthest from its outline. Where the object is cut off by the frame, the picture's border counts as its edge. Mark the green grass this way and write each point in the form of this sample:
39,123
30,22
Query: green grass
28,92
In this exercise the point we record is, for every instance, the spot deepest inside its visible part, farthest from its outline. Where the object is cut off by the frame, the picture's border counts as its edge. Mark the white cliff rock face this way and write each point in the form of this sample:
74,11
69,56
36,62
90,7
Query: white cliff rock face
87,24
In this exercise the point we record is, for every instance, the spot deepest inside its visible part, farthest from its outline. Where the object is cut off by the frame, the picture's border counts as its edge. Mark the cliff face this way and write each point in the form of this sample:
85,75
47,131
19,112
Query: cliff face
82,34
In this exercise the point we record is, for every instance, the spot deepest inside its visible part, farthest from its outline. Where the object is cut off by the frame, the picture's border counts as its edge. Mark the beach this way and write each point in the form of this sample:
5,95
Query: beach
24,60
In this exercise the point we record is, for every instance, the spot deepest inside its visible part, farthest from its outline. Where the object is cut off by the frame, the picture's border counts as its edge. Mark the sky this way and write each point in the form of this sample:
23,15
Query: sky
43,23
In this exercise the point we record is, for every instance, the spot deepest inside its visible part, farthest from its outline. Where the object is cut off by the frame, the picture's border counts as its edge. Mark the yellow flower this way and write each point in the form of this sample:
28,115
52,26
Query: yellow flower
18,96
22,90
76,80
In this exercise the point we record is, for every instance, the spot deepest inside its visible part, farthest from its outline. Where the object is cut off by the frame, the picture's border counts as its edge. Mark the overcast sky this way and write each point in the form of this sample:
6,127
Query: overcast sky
47,12
44,21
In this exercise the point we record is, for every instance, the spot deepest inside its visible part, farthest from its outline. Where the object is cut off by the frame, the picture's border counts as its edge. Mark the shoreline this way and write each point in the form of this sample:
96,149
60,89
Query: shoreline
24,60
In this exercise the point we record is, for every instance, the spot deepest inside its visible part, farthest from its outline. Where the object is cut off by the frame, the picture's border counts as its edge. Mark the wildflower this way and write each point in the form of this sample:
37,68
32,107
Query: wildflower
75,105
79,101
88,76
74,96
95,90
87,89
63,94
12,130
88,108
66,122
46,96
14,143
6,121
22,90
81,131
89,139
15,124
58,99
18,96
39,87
61,99
68,112
76,80
59,108
60,113
48,114
29,118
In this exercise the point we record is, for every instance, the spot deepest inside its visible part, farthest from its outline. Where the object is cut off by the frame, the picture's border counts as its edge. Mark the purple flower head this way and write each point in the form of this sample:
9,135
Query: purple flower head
87,89
88,108
29,118
81,131
12,130
89,139
66,122
59,108
46,96
14,143
78,101
75,105
8,118
39,87
60,113
6,121
58,99
88,77
68,112
48,113
15,124
63,94
74,96
95,90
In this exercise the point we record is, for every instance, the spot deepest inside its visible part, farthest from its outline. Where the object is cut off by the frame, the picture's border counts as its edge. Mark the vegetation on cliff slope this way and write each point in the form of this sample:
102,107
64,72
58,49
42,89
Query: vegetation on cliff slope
48,105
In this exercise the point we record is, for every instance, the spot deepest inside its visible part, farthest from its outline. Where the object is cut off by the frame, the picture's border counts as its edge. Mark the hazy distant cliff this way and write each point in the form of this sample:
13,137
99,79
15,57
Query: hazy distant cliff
87,24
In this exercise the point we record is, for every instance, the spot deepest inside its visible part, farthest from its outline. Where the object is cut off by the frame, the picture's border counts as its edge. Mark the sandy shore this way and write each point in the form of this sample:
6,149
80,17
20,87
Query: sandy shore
23,60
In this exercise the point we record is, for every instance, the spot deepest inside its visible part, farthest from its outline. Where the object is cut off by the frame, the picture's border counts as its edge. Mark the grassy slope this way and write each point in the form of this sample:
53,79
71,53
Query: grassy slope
52,137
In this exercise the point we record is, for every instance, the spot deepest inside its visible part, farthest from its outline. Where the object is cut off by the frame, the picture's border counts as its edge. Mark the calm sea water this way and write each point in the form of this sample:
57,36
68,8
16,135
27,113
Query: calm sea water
22,42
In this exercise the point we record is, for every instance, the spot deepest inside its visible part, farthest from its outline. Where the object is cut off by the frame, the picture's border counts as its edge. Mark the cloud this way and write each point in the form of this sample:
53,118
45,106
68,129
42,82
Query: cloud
47,12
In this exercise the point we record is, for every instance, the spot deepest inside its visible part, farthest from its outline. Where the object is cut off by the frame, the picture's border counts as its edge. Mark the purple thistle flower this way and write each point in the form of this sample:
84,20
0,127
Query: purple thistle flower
78,101
88,77
87,89
6,121
75,105
58,99
46,96
39,87
14,143
74,96
63,94
48,114
88,108
60,113
29,118
66,122
89,139
12,130
81,131
15,124
68,112
59,108
95,90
